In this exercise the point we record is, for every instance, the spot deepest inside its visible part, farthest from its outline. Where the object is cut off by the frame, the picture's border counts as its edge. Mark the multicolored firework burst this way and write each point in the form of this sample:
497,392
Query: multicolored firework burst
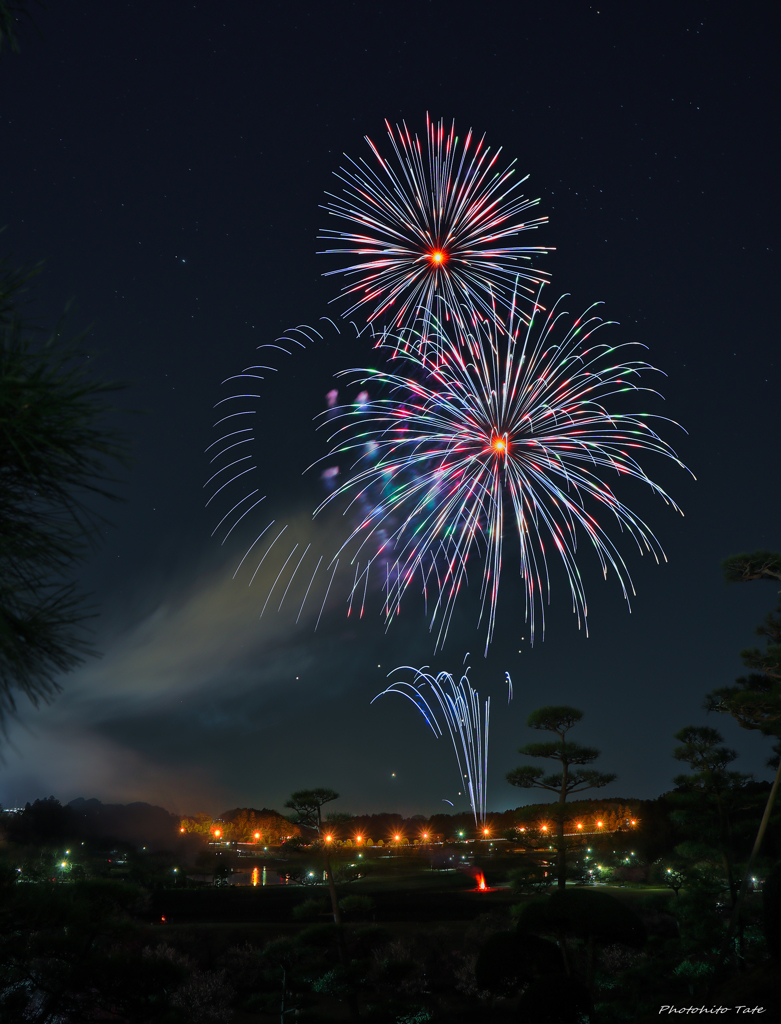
435,225
509,429
466,721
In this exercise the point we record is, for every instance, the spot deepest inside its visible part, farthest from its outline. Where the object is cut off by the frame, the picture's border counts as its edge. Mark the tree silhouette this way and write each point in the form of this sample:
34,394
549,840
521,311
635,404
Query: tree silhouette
55,447
572,778
755,701
13,16
307,806
710,786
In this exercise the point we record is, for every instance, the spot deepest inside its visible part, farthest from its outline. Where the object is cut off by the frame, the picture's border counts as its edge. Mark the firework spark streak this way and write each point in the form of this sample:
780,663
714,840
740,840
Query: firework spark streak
433,225
232,456
467,723
508,430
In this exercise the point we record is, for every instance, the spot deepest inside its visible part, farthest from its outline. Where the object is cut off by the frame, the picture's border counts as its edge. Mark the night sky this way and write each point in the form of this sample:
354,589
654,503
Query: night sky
167,161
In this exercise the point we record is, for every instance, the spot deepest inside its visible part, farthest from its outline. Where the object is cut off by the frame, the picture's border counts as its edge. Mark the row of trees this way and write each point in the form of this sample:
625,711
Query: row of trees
242,825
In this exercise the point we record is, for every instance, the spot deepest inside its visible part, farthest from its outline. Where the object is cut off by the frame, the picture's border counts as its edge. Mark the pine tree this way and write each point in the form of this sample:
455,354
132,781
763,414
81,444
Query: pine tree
573,777
755,701
55,448
710,787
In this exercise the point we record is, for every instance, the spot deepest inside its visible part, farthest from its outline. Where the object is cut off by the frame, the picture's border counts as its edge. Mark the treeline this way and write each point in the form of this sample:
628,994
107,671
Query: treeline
271,828
48,822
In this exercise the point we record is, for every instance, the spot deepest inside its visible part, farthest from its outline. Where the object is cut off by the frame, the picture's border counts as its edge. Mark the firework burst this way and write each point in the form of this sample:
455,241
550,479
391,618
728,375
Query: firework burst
508,431
431,231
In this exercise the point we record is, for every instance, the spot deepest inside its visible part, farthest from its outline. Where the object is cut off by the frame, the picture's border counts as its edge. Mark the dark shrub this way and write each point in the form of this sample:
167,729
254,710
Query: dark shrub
508,960
585,914
557,1000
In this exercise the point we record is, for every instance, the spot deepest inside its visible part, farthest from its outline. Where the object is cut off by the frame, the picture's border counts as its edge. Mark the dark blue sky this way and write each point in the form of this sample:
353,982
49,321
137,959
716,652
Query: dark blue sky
167,161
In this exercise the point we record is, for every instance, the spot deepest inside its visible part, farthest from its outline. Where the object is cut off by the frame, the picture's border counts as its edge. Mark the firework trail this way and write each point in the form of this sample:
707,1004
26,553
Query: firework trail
231,456
432,230
466,720
509,432
233,467
232,484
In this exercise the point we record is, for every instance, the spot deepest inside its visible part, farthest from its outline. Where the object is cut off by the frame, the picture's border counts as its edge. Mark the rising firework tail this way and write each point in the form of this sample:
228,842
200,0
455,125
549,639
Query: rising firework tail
466,720
432,232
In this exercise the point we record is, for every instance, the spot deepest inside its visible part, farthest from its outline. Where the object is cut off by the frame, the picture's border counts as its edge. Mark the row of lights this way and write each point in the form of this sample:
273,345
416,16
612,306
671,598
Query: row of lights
424,835
397,838
544,828
216,832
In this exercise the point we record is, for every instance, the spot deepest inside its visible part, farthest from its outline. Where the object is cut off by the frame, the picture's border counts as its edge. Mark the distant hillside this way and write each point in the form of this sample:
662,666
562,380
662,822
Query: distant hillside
139,823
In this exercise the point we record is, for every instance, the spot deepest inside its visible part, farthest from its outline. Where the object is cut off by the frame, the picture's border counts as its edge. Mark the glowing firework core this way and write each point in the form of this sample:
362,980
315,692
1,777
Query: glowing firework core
438,257
499,444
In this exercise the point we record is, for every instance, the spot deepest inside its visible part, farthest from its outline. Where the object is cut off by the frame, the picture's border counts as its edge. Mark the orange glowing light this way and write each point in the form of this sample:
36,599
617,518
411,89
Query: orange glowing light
425,835
329,839
544,828
481,881
633,822
499,444
217,833
359,839
486,831
181,830
579,825
397,838
257,835
599,824
438,257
